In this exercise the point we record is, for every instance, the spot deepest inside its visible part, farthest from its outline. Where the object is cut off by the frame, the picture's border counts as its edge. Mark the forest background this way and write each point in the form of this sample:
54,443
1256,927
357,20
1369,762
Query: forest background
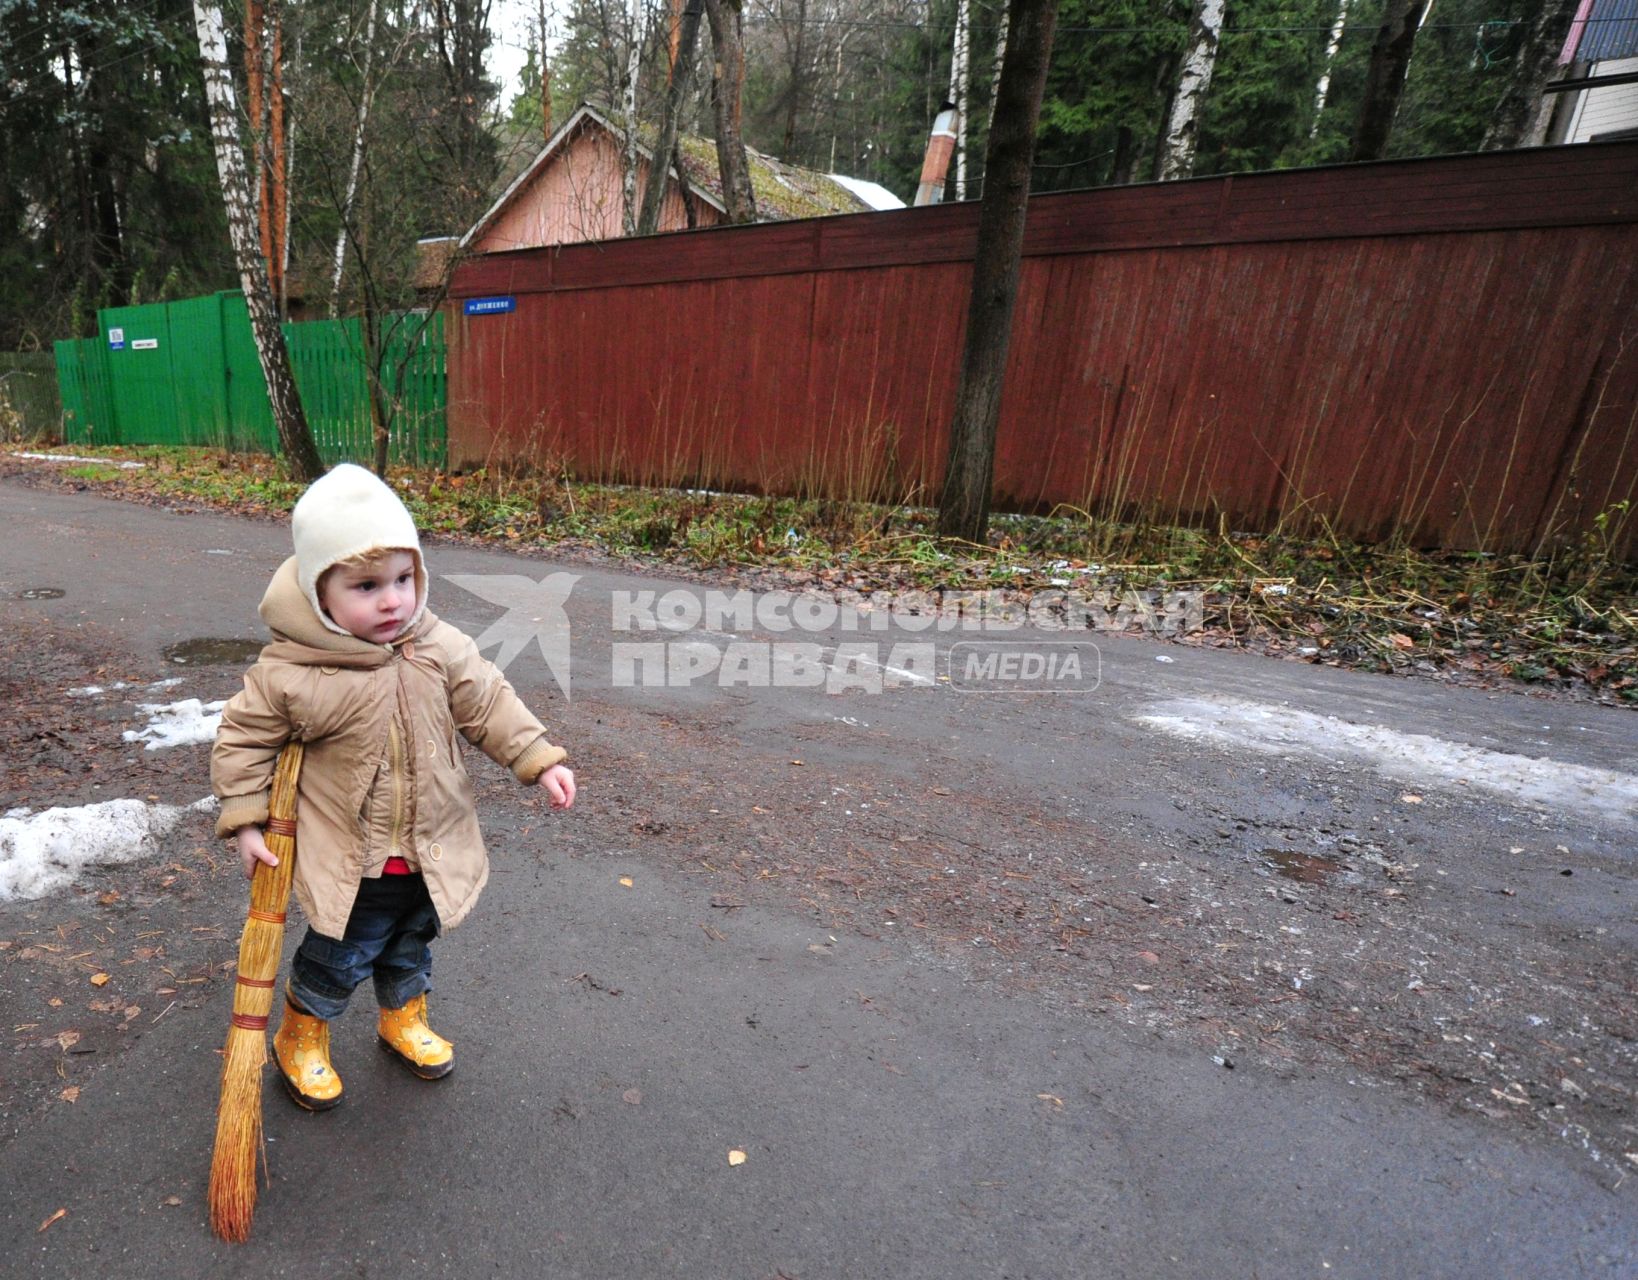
394,129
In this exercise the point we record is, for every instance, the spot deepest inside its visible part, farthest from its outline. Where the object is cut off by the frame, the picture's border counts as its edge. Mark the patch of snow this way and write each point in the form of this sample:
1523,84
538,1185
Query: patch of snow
70,457
1403,757
873,194
92,690
177,724
43,852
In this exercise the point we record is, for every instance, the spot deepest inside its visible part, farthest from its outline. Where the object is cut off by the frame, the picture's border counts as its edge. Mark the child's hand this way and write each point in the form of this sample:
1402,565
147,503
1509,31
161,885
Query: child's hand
559,784
253,849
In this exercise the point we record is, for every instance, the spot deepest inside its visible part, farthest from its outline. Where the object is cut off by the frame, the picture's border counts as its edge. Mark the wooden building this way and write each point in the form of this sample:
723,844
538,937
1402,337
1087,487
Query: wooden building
572,190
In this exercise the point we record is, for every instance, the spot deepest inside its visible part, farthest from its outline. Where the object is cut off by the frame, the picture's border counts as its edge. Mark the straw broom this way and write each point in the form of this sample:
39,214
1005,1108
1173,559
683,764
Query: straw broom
239,1114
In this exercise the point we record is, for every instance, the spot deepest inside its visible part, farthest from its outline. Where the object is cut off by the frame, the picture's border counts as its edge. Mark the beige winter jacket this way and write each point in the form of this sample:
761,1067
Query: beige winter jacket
382,773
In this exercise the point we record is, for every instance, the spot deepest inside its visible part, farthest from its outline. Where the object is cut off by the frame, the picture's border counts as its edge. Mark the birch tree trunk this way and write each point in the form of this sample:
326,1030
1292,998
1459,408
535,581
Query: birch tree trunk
964,505
1183,126
294,437
958,92
628,105
1000,57
728,83
1322,90
288,169
682,65
1385,78
366,96
1524,111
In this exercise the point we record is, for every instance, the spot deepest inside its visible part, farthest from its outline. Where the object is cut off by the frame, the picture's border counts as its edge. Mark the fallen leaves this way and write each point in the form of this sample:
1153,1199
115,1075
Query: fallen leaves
626,882
99,979
1052,1100
68,1039
70,1094
736,1157
60,1214
633,1096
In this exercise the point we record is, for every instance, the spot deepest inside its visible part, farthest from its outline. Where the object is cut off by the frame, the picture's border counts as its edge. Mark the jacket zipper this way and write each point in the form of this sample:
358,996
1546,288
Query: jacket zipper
395,751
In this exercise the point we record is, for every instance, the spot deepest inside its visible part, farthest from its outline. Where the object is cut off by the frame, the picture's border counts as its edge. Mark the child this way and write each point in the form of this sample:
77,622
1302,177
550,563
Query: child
388,849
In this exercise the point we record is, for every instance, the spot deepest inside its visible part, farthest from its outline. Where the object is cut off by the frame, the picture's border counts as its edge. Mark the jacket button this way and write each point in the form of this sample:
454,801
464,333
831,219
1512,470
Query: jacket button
437,852
432,747
329,671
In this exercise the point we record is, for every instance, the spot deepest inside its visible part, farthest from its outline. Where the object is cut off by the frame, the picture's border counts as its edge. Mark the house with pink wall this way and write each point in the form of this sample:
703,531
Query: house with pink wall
572,190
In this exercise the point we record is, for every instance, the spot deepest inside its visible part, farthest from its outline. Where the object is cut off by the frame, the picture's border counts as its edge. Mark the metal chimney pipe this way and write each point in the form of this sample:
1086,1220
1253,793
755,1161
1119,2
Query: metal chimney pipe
940,148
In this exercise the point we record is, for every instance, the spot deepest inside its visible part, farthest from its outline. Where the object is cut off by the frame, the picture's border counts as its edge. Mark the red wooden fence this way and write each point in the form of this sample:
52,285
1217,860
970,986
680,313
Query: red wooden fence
1444,350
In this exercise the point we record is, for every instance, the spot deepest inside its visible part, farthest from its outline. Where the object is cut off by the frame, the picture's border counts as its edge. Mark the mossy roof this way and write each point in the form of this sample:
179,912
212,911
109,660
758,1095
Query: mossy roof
783,191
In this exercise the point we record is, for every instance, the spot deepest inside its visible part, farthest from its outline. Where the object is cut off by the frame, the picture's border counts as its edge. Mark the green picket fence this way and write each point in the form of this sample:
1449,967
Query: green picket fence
186,373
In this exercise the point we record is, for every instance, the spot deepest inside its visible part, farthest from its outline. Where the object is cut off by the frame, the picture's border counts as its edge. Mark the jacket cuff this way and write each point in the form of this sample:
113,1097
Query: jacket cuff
537,757
240,811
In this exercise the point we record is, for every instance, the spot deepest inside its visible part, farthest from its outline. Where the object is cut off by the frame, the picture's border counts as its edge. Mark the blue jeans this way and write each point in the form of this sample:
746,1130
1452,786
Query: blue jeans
387,937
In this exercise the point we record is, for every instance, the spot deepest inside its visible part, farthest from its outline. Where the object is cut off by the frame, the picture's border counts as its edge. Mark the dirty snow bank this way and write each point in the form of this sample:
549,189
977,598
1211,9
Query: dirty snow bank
72,457
1415,758
42,852
176,724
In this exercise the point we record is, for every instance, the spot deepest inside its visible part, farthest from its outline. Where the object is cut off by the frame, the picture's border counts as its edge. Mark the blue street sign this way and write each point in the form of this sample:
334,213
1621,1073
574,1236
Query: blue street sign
490,306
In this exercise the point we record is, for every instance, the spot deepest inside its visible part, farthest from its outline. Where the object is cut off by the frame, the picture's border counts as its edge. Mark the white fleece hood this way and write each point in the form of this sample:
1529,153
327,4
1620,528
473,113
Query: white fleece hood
345,513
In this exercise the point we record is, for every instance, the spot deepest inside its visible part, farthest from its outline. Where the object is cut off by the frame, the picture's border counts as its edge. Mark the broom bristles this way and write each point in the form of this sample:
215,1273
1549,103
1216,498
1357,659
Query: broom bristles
238,1136
232,1195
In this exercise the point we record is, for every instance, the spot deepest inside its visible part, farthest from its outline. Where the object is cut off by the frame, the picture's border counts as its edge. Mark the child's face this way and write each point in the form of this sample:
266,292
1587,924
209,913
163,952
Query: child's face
373,601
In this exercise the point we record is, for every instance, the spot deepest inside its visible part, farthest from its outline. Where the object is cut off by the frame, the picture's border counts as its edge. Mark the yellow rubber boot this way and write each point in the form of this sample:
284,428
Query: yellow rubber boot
404,1032
302,1049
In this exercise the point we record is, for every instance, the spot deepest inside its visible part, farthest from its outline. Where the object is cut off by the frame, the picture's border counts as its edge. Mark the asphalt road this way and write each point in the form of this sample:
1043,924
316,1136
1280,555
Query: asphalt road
924,1081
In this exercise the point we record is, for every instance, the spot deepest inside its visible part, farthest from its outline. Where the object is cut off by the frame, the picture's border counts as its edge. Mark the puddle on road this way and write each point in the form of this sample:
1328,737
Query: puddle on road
40,593
213,652
1305,868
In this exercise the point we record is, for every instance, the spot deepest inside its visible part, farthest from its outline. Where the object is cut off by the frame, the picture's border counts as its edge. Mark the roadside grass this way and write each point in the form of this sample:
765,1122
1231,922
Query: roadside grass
1568,622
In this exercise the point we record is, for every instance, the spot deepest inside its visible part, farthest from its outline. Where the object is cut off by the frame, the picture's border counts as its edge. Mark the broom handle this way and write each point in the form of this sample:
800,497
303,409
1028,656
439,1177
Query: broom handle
270,889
